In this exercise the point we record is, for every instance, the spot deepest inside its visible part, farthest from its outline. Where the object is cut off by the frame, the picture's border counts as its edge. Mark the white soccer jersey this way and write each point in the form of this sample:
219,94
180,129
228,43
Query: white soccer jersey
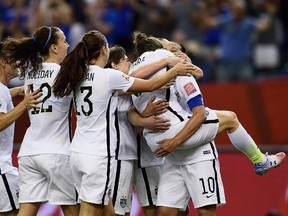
95,103
140,100
126,143
49,130
147,158
7,135
177,111
185,89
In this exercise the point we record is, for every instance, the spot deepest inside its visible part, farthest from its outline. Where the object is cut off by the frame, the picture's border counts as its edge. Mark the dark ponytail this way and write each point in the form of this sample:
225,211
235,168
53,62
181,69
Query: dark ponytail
26,53
21,53
143,43
74,67
72,72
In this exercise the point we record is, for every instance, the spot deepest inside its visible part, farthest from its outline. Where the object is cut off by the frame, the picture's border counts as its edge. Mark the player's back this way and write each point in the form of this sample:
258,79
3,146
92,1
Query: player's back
49,130
96,102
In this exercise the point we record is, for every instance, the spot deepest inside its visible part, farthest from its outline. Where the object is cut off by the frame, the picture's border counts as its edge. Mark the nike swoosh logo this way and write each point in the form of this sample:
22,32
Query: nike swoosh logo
208,196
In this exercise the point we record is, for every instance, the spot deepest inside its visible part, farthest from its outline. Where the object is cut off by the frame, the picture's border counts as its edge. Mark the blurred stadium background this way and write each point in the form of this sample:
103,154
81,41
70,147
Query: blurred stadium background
260,99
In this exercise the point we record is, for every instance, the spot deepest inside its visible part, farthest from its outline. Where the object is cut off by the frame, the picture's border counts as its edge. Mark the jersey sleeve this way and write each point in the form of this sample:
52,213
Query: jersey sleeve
119,81
149,57
187,87
3,100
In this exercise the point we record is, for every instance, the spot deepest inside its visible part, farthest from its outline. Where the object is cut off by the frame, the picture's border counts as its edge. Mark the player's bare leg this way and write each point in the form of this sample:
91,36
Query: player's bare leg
90,209
108,209
207,210
28,209
150,210
183,213
70,210
167,211
10,213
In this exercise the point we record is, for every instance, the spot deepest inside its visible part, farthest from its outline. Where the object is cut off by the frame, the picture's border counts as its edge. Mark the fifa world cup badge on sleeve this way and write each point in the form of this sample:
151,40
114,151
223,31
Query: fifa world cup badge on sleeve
189,88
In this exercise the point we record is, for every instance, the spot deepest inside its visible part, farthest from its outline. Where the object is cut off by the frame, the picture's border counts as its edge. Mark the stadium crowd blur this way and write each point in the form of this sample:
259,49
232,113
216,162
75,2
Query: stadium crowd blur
229,39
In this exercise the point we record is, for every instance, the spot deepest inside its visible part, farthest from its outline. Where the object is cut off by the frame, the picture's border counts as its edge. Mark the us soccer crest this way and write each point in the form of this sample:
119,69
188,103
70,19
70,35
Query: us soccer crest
123,201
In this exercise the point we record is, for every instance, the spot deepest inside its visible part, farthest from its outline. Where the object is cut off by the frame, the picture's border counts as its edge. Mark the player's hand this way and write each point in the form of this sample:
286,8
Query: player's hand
166,147
155,108
172,60
31,99
184,69
182,55
156,124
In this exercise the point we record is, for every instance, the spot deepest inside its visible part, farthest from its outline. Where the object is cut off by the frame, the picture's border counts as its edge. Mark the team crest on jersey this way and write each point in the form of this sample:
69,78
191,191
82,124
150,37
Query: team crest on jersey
126,77
189,88
123,201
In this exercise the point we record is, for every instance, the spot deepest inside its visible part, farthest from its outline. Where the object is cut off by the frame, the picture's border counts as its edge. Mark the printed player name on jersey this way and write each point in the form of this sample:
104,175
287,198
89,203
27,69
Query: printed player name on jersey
40,74
90,77
138,61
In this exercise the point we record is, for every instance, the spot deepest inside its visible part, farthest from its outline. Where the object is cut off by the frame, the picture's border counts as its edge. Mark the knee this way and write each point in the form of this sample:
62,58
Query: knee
233,122
232,118
229,121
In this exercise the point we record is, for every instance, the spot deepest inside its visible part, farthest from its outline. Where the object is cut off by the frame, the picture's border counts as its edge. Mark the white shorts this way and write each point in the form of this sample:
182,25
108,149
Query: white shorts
46,178
146,182
201,181
122,192
9,190
206,133
93,177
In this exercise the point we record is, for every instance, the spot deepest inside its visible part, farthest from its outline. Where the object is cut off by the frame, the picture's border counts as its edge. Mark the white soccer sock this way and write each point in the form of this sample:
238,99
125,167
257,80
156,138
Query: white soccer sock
244,143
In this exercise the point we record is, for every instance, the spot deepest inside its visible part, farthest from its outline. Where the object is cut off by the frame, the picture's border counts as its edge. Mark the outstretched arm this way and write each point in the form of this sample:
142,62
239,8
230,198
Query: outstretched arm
149,69
156,82
30,101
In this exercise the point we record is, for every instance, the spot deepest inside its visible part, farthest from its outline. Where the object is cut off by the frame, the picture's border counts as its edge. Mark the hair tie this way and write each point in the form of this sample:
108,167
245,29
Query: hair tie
48,39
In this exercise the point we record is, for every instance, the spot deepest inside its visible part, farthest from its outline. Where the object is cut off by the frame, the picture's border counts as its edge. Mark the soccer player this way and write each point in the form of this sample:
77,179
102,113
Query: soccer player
44,161
95,89
9,187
